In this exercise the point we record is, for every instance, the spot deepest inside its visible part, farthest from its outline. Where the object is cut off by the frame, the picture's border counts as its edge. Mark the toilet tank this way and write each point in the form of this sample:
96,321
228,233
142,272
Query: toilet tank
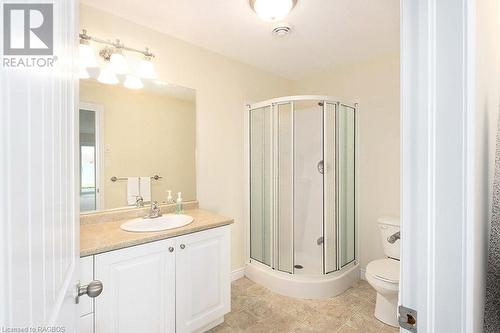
388,226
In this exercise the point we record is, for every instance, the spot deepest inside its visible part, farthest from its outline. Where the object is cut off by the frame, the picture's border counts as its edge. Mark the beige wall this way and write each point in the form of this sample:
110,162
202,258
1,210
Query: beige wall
144,134
223,87
375,86
487,101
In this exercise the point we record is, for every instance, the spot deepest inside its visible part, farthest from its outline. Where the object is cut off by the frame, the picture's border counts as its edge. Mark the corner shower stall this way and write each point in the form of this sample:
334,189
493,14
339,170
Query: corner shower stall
302,232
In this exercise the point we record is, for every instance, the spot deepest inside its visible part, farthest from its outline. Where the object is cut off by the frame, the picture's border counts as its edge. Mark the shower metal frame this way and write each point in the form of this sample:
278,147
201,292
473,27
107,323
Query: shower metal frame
274,105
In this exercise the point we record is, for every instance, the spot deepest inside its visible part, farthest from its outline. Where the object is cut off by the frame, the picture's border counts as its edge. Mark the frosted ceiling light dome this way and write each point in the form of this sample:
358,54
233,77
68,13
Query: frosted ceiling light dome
107,75
118,62
272,10
133,82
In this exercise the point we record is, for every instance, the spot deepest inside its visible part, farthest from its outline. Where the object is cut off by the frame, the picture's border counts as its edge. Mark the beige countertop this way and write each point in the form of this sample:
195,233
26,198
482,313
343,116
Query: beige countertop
107,236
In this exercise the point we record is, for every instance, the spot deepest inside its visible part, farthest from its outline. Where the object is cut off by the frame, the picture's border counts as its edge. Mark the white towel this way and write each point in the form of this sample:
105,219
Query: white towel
145,188
132,190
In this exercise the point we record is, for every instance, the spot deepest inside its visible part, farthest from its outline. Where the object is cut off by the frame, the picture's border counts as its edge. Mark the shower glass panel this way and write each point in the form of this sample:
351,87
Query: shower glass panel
346,195
329,187
285,187
261,184
308,187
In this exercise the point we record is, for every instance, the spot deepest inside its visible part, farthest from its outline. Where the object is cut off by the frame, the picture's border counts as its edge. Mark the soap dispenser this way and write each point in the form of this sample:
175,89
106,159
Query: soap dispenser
170,200
178,206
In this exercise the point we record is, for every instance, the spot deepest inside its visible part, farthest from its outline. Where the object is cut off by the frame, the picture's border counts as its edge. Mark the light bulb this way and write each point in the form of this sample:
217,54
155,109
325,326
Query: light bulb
118,62
272,10
83,73
133,82
146,69
107,75
86,55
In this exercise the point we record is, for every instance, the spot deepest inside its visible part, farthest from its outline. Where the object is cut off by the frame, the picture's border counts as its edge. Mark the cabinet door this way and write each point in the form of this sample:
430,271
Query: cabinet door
86,324
202,278
138,289
86,304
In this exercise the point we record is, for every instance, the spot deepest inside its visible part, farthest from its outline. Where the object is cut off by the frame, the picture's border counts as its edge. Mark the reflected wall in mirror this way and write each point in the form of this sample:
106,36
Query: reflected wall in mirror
134,135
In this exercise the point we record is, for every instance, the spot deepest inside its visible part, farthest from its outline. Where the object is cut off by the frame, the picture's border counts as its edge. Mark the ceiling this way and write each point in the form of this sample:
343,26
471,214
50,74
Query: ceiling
326,33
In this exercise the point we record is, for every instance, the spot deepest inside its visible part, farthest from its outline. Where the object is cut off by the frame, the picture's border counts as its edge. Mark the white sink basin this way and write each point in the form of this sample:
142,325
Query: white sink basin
165,222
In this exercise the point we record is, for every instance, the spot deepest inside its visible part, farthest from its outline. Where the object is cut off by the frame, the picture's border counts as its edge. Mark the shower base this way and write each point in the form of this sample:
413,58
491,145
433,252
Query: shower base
303,286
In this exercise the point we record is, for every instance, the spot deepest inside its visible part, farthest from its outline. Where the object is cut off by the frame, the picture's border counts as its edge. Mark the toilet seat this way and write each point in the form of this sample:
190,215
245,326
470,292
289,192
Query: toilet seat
384,269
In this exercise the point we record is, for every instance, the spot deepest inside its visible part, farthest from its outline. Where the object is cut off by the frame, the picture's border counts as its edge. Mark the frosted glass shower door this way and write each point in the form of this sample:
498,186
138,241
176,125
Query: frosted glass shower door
285,187
261,184
346,185
329,187
308,187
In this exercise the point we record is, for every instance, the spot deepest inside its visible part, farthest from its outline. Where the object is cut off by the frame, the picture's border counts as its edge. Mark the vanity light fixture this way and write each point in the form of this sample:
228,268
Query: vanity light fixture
118,61
146,68
107,75
115,61
87,57
83,73
133,82
272,10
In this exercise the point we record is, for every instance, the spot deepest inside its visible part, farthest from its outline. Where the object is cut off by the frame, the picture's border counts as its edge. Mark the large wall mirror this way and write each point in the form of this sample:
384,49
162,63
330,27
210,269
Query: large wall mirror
128,136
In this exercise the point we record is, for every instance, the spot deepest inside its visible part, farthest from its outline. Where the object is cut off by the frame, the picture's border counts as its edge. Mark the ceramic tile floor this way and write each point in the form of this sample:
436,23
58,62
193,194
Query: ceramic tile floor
257,309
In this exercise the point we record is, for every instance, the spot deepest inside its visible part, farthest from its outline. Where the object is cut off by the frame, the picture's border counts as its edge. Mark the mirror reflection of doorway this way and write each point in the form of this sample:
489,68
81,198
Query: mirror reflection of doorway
89,158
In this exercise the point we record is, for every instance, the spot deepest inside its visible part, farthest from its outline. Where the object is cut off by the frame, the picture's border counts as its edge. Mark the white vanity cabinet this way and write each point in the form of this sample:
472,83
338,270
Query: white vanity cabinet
138,289
180,284
203,281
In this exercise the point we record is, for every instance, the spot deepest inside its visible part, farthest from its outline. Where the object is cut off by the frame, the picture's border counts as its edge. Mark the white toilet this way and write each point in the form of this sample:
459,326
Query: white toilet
383,274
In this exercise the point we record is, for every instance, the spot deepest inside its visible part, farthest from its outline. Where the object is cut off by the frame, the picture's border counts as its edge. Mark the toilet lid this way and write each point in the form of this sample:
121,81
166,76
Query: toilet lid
384,269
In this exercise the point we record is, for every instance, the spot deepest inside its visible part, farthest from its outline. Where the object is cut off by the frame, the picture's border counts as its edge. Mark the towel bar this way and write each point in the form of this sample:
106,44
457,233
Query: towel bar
114,178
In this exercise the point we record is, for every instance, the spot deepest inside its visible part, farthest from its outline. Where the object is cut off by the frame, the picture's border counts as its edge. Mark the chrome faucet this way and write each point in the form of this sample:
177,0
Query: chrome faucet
393,238
154,211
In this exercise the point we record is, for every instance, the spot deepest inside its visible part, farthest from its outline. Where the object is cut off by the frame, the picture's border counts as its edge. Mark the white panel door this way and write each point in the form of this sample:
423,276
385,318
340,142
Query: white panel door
436,87
202,278
39,228
138,289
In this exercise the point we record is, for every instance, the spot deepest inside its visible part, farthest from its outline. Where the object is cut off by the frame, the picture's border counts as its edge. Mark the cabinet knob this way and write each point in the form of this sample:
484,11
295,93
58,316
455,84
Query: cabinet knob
92,290
170,249
183,246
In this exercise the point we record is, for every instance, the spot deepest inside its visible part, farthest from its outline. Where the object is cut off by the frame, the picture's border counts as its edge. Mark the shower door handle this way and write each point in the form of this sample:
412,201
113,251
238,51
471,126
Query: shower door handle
321,167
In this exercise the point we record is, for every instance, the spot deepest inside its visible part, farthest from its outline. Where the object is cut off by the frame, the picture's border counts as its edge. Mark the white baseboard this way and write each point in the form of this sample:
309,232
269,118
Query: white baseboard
362,273
237,273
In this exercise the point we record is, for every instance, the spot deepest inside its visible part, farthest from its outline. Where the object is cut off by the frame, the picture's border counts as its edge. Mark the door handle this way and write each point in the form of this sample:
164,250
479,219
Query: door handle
321,167
92,290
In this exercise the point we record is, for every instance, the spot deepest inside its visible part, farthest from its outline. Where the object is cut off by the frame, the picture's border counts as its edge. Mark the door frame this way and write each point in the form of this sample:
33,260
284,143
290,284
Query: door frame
438,164
99,124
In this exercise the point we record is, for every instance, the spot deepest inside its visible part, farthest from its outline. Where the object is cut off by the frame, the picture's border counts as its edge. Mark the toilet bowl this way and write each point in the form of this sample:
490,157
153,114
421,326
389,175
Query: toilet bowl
383,274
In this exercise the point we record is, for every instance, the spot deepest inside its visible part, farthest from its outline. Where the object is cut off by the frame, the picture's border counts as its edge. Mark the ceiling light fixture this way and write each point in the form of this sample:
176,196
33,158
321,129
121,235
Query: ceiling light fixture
133,82
272,10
